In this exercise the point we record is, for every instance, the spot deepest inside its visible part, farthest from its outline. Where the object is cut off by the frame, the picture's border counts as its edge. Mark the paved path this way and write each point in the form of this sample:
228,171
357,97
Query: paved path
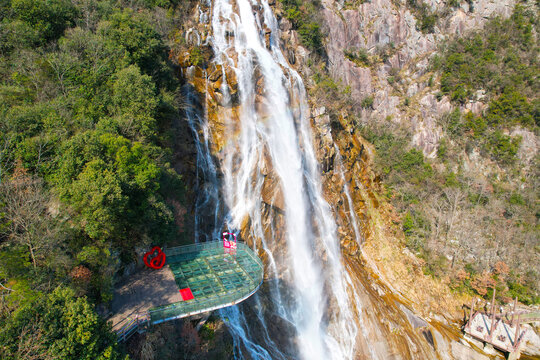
143,290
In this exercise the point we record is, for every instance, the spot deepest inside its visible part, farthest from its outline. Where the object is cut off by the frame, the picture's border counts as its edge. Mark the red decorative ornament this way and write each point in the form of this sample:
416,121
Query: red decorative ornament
155,258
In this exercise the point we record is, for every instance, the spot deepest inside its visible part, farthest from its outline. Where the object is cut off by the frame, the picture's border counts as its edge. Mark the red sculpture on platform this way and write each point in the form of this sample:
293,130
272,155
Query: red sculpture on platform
155,258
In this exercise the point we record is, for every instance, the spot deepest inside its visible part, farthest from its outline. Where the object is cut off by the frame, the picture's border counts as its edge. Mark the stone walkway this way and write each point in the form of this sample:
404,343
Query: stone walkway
141,291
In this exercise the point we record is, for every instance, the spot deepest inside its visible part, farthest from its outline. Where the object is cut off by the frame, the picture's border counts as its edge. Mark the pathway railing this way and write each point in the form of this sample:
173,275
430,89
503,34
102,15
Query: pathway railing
134,323
192,307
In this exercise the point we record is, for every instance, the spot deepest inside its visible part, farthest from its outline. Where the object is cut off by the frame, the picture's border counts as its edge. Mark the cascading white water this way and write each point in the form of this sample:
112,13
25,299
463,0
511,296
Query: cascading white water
208,200
272,130
314,304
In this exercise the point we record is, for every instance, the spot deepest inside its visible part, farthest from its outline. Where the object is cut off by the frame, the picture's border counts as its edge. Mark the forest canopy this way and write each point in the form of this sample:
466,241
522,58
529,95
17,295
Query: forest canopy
88,98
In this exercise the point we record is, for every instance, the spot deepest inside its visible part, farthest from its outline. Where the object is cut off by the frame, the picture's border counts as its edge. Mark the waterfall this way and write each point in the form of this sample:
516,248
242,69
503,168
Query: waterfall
309,307
272,130
208,200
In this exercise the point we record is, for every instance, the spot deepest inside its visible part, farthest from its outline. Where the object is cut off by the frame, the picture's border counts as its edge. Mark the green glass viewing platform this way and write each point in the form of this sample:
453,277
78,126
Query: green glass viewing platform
215,278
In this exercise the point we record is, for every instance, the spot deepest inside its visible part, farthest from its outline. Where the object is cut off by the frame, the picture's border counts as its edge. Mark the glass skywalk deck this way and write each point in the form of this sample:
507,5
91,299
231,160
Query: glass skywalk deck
215,278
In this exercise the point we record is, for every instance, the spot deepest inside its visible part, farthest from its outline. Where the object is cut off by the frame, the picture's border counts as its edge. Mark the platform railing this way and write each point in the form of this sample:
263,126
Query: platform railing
191,307
208,245
139,321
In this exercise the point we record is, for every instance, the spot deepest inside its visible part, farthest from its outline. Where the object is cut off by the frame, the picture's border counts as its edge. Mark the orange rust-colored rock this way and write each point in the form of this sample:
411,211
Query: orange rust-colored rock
272,193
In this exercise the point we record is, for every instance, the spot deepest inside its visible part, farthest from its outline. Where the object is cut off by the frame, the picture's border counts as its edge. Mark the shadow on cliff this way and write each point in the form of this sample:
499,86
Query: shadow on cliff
197,168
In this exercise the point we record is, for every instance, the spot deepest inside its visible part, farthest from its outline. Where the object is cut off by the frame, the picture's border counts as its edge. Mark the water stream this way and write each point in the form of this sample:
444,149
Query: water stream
310,307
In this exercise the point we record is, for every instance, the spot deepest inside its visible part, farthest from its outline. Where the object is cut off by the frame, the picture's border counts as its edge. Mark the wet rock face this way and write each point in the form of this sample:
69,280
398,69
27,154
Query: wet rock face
388,27
344,158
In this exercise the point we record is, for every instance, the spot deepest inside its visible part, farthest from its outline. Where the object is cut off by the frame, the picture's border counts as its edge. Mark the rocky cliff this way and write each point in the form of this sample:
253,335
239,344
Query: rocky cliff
380,50
390,26
395,48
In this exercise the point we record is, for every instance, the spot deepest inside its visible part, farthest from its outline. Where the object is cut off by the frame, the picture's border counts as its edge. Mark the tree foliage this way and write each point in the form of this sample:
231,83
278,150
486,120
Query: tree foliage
497,66
426,19
502,62
87,96
57,326
49,18
304,16
456,220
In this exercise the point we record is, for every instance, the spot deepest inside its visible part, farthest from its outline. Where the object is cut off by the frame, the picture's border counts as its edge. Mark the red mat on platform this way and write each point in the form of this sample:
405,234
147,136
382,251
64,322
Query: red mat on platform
186,294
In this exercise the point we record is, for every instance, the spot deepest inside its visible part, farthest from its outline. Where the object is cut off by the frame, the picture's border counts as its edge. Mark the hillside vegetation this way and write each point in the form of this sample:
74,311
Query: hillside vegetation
87,101
472,213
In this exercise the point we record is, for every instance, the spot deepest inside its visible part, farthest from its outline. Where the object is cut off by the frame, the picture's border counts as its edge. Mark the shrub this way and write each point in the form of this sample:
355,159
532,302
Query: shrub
304,18
451,180
413,166
516,199
478,199
428,22
367,102
460,94
502,147
524,293
499,59
311,36
358,56
442,149
195,56
510,108
476,124
408,224
426,19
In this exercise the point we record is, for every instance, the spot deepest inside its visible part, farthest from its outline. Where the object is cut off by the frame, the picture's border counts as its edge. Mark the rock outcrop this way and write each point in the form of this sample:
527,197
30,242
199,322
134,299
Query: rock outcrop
350,186
389,27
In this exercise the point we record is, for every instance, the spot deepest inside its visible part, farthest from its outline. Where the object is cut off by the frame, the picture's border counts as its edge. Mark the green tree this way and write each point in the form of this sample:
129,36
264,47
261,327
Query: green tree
114,184
57,326
97,195
502,147
16,34
412,165
304,16
86,101
510,108
311,36
476,124
134,103
367,102
49,17
137,37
